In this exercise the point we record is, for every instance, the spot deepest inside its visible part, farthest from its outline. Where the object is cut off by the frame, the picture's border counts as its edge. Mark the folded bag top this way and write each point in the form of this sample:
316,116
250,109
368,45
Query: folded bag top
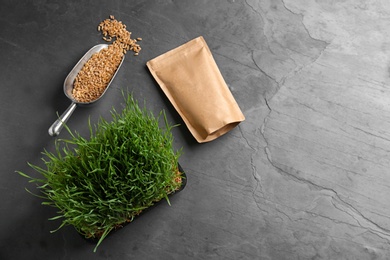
190,78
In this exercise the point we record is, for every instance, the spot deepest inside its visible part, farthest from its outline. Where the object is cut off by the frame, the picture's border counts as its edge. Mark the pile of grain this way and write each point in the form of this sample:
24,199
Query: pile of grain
98,71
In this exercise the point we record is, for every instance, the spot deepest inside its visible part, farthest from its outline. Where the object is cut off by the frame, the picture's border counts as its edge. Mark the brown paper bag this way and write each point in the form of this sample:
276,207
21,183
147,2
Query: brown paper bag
191,80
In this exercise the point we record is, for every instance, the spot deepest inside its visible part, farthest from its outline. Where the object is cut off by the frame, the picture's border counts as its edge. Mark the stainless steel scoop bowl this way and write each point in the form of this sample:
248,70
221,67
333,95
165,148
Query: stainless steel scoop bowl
57,126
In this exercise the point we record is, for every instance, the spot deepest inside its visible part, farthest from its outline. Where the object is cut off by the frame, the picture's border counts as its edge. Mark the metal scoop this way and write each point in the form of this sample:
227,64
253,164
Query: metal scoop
57,126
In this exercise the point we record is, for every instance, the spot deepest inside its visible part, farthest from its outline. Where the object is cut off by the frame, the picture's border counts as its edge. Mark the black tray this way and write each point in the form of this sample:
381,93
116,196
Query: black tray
183,184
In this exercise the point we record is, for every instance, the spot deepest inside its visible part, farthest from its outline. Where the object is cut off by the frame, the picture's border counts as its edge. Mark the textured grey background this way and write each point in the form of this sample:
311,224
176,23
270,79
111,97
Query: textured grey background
304,177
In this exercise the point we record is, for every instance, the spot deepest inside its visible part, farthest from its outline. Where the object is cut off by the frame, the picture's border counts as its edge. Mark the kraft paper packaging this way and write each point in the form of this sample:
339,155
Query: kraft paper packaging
191,80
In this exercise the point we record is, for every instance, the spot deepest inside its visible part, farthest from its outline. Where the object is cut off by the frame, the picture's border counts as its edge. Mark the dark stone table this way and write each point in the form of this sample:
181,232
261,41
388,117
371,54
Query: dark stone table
304,177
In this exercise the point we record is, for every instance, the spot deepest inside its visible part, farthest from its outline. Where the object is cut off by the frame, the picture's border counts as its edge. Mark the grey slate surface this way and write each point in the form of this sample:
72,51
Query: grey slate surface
304,177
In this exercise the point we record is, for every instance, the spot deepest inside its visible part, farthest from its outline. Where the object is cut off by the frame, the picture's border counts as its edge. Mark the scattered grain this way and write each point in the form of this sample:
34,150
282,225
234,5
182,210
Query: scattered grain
98,71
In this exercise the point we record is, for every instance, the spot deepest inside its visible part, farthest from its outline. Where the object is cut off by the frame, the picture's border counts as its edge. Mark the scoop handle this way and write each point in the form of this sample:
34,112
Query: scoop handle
57,126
